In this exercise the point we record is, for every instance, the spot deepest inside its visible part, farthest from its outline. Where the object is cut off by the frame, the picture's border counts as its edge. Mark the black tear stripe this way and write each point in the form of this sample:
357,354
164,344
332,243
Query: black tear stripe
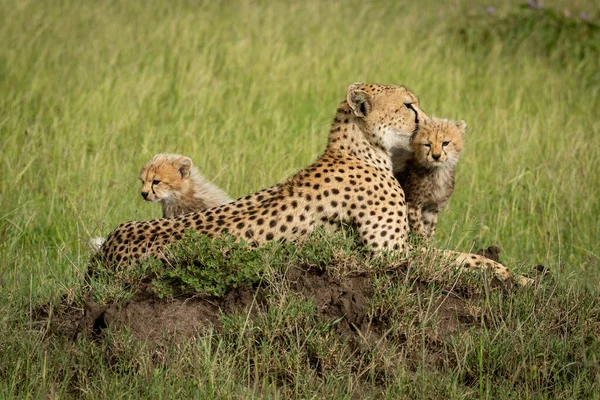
410,107
152,185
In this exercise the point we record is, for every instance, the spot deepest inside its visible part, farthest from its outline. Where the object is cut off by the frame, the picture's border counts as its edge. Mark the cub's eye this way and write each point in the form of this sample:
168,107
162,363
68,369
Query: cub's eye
445,143
155,182
427,145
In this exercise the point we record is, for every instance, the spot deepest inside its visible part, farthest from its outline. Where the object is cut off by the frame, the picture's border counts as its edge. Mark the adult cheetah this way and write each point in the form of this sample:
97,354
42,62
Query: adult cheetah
351,182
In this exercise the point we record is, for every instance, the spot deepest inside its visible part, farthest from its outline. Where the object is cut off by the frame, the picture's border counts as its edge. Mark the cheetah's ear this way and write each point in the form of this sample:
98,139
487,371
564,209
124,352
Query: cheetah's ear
359,100
462,125
184,166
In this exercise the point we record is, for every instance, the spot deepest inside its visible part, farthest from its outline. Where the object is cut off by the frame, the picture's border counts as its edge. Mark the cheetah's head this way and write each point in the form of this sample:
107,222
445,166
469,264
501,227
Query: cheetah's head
164,177
438,142
388,114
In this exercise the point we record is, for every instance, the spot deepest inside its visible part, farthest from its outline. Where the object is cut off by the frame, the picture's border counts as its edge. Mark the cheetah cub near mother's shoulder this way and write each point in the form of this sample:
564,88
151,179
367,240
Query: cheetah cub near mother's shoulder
428,177
174,182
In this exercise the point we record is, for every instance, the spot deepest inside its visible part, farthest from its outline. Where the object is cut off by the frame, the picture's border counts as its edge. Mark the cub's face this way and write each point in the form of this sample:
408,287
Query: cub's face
164,176
438,142
390,114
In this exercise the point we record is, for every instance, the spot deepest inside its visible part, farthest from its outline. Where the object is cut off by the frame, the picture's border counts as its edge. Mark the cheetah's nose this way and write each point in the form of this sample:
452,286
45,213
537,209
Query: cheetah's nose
436,156
145,195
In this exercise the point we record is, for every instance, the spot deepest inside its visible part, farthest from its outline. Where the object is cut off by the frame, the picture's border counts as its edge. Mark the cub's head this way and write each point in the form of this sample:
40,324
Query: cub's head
387,114
438,142
164,176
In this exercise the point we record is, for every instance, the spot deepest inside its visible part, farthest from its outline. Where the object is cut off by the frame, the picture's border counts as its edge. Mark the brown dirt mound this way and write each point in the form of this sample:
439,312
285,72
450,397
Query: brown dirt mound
148,317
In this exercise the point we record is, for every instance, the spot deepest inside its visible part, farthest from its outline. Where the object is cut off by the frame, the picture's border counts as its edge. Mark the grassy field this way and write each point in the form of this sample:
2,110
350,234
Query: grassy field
91,91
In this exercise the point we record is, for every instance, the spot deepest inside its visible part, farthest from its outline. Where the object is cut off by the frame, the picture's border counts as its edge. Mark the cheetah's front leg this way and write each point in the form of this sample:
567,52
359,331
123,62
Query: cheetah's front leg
415,220
383,227
430,220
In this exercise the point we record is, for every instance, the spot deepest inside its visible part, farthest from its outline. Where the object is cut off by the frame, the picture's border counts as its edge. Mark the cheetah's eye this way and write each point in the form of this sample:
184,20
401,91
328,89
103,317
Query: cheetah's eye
155,182
427,145
445,144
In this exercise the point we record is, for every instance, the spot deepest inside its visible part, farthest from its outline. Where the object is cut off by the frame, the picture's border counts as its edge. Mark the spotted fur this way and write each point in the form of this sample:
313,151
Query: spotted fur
352,182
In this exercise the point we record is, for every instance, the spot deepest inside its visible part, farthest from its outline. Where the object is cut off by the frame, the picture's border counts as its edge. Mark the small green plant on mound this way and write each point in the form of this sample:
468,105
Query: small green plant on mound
198,265
214,266
209,266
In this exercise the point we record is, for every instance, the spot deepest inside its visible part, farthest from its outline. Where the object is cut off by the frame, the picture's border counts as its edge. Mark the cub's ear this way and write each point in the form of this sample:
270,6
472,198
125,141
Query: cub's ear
462,125
359,100
184,166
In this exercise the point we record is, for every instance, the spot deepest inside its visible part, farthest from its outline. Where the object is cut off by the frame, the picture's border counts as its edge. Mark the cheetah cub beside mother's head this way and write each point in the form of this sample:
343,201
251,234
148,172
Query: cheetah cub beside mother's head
428,177
174,182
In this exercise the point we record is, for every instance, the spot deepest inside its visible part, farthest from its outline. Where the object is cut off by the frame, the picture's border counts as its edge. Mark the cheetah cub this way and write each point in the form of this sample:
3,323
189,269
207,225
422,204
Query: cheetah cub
174,182
428,177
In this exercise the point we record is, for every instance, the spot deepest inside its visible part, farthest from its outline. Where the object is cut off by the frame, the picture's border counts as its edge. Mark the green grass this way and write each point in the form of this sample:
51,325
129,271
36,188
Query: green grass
542,342
91,91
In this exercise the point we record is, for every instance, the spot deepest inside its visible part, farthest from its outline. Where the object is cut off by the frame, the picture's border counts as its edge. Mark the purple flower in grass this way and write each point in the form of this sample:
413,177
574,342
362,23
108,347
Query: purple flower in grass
535,4
490,10
584,17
